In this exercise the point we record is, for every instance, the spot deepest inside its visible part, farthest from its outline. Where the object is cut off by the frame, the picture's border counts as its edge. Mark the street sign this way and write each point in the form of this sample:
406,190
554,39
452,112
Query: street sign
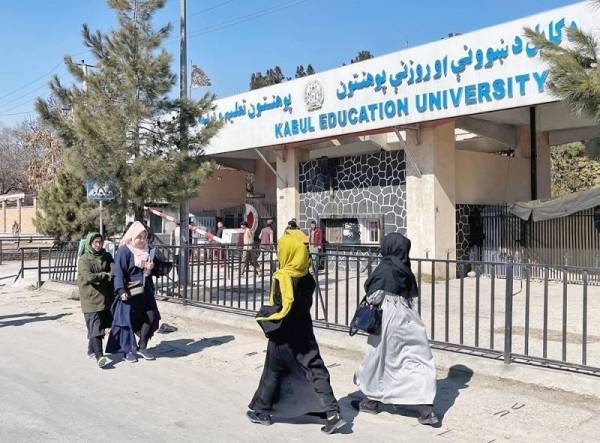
99,191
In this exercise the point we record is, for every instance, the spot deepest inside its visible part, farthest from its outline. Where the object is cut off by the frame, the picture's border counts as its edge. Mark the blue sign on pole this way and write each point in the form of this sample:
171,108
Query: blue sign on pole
99,191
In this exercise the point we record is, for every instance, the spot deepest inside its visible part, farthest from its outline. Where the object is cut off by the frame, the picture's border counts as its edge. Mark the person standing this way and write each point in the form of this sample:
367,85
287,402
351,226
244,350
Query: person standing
398,367
176,243
219,252
94,279
315,243
295,380
266,237
134,310
248,254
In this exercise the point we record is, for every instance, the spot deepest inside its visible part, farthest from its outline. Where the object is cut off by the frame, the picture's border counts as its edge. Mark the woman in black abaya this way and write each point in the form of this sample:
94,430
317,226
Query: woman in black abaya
295,380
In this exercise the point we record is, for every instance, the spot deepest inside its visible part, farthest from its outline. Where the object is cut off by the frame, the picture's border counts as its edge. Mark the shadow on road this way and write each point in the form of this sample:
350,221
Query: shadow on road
33,318
448,389
26,314
185,346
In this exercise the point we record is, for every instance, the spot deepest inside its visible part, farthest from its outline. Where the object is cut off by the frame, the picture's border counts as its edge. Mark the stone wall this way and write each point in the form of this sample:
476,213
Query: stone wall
361,186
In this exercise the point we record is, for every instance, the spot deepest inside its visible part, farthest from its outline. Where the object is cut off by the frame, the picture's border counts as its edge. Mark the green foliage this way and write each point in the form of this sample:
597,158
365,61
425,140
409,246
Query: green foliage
66,214
362,55
122,125
301,72
574,73
272,76
572,170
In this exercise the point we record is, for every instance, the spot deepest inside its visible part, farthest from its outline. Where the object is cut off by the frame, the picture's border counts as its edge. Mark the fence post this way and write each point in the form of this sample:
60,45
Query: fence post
508,311
39,266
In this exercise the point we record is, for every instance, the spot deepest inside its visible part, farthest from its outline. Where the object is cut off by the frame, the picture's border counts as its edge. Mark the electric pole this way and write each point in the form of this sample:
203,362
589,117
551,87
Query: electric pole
184,237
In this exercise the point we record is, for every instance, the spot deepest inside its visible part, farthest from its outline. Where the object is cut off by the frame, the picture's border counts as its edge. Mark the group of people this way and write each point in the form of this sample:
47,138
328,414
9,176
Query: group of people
398,368
118,295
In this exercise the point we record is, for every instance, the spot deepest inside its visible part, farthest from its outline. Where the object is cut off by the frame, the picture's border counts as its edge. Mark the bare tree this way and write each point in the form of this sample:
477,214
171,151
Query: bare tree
13,161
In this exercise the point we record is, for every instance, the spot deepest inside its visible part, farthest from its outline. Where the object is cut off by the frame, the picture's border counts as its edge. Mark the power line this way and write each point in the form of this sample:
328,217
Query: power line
244,18
54,68
12,100
17,113
212,8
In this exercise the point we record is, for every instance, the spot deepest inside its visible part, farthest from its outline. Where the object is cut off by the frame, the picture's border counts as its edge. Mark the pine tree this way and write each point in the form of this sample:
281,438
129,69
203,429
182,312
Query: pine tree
67,215
122,125
574,72
272,76
301,72
572,170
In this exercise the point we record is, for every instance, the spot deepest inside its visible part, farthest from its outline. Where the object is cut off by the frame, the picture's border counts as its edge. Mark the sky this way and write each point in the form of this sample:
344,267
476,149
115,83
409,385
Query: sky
231,39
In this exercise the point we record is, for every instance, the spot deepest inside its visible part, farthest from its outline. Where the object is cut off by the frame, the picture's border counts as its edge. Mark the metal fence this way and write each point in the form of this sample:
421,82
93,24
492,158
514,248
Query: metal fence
570,240
531,319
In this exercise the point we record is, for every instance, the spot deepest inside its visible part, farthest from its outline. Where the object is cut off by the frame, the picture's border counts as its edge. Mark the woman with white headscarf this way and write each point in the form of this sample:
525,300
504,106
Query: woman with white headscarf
134,310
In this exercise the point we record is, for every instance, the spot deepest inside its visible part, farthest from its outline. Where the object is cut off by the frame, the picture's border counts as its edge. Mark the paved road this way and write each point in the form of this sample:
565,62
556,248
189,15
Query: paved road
198,389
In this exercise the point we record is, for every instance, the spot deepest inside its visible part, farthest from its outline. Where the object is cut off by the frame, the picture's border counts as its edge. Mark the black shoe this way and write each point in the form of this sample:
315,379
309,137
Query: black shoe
366,405
430,420
334,422
259,418
146,354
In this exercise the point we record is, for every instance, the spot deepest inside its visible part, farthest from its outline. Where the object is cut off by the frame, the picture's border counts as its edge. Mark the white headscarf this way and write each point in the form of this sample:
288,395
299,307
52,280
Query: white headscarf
140,255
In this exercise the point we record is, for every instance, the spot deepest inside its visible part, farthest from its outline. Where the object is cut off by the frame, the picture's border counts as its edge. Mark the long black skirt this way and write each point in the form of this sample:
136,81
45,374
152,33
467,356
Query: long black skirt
294,382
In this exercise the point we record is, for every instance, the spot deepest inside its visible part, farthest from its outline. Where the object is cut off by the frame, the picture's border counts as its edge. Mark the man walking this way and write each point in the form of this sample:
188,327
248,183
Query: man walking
248,255
315,243
266,237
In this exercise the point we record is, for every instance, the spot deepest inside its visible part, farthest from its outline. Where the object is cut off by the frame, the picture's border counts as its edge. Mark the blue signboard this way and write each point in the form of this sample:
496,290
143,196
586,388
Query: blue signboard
99,191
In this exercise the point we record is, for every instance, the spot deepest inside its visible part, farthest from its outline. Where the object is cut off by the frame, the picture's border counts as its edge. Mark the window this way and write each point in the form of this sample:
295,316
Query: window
342,230
370,231
373,232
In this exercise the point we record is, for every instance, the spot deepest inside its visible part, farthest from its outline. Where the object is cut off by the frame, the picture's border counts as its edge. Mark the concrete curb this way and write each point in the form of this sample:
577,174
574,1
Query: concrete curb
355,348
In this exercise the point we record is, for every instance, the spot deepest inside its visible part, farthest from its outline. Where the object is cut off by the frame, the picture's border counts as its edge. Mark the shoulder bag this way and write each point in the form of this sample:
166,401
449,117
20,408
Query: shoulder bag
367,318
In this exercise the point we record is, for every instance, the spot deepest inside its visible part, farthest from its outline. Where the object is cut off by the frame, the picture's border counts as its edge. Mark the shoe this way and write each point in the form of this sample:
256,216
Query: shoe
366,405
91,355
259,418
429,420
103,362
130,357
146,354
334,422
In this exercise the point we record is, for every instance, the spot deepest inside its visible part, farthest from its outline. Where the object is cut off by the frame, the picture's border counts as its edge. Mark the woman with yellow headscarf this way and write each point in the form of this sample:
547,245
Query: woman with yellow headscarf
295,380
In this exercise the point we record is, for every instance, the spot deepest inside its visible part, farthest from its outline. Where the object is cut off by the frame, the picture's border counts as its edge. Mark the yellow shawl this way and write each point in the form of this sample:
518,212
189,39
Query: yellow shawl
293,263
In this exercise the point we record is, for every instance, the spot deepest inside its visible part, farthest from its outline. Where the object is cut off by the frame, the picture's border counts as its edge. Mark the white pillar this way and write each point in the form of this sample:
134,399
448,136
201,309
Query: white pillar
288,201
430,195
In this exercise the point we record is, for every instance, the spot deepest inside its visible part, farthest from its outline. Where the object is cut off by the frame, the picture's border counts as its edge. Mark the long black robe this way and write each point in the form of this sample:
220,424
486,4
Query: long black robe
295,380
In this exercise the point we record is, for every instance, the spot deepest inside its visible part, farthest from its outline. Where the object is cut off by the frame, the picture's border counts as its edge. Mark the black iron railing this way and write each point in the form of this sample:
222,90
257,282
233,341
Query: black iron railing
499,310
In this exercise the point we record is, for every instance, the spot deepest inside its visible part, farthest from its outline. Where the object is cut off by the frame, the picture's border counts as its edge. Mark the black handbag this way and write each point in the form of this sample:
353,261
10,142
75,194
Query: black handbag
367,318
135,287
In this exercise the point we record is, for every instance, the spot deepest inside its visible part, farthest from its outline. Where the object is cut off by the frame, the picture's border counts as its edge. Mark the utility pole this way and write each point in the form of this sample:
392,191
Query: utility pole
184,237
84,67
